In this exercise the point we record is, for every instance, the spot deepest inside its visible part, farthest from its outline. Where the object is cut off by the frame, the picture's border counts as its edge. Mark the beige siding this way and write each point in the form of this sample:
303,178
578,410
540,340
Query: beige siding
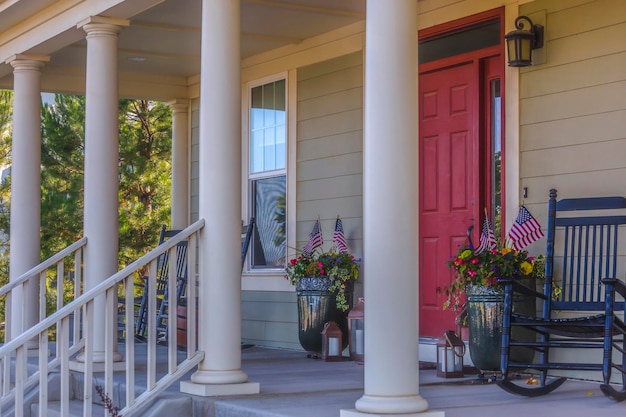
195,174
573,107
270,319
330,148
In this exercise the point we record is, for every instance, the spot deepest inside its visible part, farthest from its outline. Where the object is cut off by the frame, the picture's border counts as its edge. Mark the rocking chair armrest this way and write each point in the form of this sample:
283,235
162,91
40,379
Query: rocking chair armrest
618,285
518,287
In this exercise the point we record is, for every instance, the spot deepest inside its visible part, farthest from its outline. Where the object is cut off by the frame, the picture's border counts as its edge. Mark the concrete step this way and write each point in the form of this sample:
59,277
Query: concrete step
76,409
163,407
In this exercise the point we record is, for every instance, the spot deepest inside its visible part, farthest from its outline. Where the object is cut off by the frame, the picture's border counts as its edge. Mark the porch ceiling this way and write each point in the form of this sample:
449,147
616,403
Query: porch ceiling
163,39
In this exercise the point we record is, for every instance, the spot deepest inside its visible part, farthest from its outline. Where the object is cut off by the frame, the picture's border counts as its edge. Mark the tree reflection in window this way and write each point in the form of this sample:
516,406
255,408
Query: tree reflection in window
268,241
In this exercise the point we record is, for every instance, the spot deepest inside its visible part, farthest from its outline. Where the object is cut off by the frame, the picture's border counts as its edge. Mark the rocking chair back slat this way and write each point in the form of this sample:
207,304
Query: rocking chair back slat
589,251
583,262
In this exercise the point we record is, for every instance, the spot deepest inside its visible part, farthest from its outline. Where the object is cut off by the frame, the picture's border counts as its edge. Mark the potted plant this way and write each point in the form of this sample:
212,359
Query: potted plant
324,284
476,287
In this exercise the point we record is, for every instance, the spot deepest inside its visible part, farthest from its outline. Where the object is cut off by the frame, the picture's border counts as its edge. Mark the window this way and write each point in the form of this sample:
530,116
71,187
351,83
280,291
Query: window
267,177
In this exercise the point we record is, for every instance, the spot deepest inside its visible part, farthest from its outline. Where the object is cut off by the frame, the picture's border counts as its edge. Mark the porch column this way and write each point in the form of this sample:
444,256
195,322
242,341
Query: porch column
101,165
220,206
180,166
390,217
25,219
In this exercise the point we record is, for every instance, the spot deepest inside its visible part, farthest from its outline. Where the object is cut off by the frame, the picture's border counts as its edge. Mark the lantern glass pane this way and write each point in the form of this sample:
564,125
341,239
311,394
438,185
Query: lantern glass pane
357,335
526,49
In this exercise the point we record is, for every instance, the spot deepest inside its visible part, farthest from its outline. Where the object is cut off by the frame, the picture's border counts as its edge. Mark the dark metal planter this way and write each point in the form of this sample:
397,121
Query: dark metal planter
485,308
316,306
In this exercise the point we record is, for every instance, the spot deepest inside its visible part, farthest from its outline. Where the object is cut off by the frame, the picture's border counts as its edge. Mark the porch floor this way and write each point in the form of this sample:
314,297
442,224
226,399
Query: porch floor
293,385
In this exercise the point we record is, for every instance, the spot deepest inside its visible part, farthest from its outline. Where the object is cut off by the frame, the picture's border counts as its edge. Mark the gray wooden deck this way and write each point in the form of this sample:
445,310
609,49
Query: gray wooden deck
294,386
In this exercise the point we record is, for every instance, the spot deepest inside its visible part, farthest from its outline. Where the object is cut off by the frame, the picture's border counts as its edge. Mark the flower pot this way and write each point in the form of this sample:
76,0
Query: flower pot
317,306
485,308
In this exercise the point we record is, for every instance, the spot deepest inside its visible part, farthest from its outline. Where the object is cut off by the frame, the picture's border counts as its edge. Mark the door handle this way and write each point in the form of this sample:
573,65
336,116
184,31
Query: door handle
469,234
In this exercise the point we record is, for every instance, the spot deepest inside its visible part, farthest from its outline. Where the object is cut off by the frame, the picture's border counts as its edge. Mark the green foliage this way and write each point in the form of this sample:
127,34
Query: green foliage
62,174
144,178
338,267
487,267
145,175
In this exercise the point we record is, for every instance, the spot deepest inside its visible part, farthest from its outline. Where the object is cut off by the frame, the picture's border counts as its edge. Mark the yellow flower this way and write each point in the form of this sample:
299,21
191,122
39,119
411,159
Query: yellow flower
506,250
526,268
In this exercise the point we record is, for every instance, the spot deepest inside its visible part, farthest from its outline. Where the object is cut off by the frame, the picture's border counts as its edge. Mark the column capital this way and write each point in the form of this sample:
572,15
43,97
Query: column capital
178,105
27,62
103,25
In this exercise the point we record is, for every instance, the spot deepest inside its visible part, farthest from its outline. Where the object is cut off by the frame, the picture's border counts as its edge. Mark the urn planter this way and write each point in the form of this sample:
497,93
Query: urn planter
485,308
317,305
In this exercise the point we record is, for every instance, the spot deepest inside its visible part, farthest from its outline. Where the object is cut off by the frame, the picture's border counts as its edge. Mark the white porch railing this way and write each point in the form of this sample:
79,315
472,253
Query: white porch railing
63,264
21,377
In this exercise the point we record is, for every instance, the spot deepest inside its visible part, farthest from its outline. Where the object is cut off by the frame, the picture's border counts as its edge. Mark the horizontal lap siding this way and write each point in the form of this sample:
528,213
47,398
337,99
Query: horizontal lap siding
270,319
573,107
195,167
330,149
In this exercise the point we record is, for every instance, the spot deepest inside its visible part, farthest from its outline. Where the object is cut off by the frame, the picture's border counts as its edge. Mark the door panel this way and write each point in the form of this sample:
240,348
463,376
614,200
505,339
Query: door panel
449,182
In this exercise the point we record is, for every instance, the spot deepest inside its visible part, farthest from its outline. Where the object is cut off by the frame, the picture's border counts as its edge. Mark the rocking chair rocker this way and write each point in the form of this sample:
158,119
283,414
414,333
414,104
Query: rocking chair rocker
583,315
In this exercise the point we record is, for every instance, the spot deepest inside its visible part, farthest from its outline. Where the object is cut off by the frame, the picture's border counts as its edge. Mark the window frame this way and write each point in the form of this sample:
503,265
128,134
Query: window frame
248,177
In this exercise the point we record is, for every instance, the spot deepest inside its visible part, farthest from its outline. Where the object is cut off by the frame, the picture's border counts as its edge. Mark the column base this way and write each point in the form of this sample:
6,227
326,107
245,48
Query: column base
216,390
427,413
96,367
410,405
97,363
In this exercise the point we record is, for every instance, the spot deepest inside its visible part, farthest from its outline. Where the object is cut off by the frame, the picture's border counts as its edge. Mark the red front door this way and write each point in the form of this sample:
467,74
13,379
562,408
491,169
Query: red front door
449,182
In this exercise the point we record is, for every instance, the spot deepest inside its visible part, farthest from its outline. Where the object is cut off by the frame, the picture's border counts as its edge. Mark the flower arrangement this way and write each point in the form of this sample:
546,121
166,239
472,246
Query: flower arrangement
338,267
486,267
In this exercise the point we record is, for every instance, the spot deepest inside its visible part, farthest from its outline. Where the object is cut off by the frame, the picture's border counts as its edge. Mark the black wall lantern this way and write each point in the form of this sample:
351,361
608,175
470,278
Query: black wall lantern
521,42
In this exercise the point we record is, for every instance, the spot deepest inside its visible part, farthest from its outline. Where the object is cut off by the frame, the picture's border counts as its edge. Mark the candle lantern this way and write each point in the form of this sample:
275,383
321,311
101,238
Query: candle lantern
356,332
331,343
450,352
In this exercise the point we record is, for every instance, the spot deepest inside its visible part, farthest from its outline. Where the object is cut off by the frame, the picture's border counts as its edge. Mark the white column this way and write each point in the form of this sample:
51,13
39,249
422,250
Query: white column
180,165
220,205
390,178
101,164
25,188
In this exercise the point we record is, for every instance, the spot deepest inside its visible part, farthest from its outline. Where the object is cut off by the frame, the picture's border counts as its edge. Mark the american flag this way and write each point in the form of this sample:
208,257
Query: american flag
315,239
487,238
339,238
525,230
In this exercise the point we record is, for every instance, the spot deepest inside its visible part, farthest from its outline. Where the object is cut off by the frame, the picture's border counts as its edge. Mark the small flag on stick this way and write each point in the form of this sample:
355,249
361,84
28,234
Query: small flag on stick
487,238
315,239
339,238
525,230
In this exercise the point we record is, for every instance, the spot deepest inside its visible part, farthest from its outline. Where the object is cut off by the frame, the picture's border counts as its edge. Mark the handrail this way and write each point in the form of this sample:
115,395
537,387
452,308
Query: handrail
99,289
56,258
13,354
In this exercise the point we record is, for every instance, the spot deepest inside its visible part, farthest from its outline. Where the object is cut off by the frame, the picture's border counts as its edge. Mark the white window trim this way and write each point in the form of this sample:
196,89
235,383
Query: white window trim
272,279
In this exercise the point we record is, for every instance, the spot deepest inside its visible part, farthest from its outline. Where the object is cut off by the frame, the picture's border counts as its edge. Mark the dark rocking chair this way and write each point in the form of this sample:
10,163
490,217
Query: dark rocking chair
584,314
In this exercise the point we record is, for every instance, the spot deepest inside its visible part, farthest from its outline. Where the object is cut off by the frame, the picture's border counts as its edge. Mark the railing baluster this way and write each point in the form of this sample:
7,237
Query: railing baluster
152,336
63,336
43,374
172,311
192,281
88,331
110,337
78,261
20,377
129,296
